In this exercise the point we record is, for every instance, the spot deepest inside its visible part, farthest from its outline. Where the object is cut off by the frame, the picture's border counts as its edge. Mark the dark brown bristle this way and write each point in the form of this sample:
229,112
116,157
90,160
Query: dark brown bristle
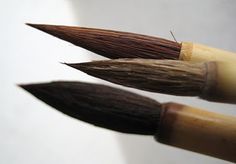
163,76
101,105
114,44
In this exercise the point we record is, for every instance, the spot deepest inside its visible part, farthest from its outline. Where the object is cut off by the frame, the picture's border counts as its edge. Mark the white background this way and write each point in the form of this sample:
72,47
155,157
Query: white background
32,132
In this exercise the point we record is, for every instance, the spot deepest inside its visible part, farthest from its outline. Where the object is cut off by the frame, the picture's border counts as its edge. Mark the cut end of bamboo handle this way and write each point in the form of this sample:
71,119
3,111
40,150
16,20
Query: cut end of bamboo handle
200,53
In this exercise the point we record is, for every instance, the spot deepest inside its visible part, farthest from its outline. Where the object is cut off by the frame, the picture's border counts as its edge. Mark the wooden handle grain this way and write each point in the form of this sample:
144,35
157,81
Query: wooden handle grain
200,53
199,131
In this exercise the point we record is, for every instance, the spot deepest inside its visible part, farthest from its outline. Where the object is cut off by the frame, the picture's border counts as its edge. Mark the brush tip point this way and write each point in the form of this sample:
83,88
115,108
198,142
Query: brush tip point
24,86
20,85
73,65
30,24
63,63
37,26
67,64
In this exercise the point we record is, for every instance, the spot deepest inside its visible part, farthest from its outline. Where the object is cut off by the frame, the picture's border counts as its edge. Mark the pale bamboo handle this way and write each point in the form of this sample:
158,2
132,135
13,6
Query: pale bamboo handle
220,83
226,81
200,53
199,131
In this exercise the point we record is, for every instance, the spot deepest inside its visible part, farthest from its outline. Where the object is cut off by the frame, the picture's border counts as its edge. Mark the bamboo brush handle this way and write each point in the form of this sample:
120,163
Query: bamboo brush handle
199,131
226,79
220,83
200,53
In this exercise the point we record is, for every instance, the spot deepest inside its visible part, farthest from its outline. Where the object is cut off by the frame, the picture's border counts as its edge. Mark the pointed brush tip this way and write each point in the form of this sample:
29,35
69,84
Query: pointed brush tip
41,27
74,65
30,87
28,24
63,63
25,86
31,25
67,64
21,85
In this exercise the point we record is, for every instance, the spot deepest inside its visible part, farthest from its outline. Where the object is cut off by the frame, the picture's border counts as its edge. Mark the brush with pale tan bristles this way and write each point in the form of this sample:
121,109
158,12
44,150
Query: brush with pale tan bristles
116,44
213,81
172,124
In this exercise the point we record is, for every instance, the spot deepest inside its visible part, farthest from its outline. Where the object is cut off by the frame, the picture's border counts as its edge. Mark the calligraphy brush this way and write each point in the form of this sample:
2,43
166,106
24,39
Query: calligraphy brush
213,81
116,44
172,124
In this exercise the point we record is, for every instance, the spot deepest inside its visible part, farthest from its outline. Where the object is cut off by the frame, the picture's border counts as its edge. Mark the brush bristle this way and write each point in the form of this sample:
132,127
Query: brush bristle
114,44
162,76
100,105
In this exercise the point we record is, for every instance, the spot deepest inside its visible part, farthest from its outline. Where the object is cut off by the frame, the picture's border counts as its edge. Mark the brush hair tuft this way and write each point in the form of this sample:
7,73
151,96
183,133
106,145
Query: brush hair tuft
101,105
163,76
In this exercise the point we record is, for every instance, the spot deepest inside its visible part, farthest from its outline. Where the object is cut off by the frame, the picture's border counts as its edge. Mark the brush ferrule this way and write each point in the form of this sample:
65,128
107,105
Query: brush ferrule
209,87
160,134
168,115
159,129
200,53
220,82
186,51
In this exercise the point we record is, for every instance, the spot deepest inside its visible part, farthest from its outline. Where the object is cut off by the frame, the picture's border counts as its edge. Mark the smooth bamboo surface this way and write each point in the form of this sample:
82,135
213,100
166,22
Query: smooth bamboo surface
200,53
226,81
199,131
220,83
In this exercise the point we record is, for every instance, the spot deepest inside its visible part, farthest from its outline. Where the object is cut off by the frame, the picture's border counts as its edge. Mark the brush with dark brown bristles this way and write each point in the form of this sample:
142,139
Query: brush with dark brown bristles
172,124
213,81
116,44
